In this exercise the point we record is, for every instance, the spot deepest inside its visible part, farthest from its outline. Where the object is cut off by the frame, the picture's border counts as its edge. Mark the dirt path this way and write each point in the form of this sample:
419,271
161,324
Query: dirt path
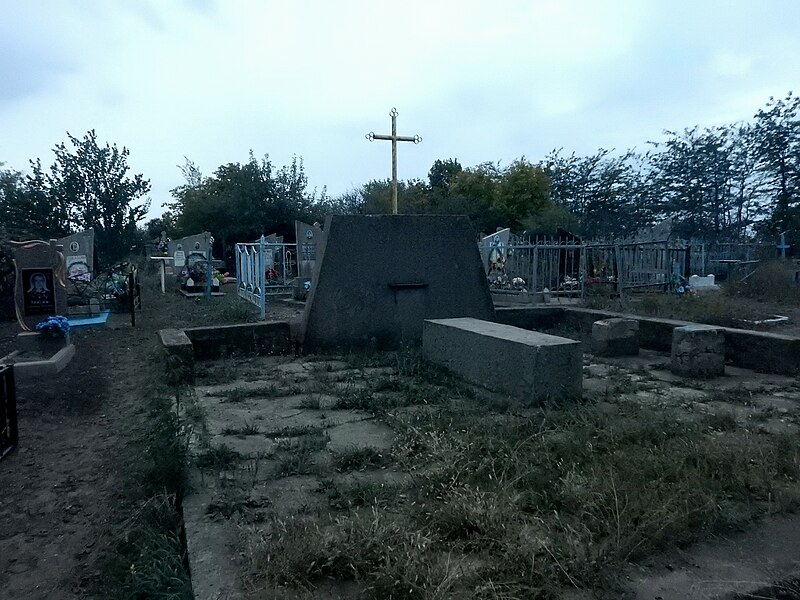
60,490
63,493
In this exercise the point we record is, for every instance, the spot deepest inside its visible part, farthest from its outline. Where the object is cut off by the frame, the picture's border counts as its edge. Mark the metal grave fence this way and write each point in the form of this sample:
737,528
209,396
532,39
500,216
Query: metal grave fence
8,411
571,267
264,269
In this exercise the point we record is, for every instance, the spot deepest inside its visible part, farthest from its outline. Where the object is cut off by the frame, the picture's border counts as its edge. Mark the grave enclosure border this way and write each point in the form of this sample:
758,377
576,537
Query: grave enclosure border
761,351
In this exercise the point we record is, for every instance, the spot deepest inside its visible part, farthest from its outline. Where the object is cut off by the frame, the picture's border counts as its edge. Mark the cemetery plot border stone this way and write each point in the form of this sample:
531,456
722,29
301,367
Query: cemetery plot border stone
180,355
528,364
762,351
698,351
38,356
615,337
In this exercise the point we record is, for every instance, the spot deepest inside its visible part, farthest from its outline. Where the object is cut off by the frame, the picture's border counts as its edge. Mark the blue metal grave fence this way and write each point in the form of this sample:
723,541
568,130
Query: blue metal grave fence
264,269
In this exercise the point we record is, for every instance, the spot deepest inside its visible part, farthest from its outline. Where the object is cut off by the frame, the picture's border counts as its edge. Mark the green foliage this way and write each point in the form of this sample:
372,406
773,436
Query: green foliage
523,190
239,202
776,146
602,193
771,281
88,186
7,276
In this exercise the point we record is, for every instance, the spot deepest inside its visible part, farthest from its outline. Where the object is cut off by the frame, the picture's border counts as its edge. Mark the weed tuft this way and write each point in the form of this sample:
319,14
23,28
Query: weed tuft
360,459
220,457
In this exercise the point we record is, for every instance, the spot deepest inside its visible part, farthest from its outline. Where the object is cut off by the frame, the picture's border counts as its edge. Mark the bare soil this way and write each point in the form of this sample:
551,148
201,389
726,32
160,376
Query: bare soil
64,492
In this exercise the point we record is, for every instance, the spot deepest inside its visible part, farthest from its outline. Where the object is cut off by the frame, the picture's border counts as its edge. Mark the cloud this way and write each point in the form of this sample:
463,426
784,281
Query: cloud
478,81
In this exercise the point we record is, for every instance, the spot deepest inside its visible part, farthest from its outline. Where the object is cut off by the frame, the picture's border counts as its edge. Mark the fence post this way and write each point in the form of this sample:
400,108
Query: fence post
687,262
703,258
131,299
9,433
262,279
533,287
582,269
138,291
208,275
619,264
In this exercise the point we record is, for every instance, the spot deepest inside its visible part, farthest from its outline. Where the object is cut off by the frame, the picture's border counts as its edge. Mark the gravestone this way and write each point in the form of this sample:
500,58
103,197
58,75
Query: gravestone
377,278
79,255
309,238
494,252
188,250
40,289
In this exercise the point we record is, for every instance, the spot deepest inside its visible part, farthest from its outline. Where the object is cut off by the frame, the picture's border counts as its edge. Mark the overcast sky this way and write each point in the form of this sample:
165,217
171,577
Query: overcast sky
479,81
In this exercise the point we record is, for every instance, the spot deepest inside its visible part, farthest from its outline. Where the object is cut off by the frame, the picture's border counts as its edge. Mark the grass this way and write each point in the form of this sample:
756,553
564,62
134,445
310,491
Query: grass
295,431
221,458
771,281
296,456
246,429
503,506
495,502
360,459
240,394
148,556
362,493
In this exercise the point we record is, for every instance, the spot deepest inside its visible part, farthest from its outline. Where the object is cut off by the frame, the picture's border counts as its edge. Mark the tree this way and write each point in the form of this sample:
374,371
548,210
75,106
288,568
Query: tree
604,193
91,183
523,190
776,145
30,207
240,202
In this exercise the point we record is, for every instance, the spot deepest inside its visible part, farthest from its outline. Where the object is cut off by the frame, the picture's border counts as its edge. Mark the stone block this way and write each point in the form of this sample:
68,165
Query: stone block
698,351
615,337
378,277
527,364
180,355
215,341
35,370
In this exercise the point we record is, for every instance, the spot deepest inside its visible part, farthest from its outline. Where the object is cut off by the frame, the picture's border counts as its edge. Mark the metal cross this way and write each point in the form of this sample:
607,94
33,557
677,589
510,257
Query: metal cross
394,138
783,246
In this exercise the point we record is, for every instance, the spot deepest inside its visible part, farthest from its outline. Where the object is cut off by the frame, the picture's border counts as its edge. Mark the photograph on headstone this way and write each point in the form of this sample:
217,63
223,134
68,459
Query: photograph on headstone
39,297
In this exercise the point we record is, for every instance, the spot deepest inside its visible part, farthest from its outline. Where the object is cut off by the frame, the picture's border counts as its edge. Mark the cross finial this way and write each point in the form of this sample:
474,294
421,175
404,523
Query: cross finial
394,138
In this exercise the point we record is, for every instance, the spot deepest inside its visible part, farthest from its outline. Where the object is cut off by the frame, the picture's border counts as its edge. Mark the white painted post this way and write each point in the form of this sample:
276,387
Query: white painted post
262,279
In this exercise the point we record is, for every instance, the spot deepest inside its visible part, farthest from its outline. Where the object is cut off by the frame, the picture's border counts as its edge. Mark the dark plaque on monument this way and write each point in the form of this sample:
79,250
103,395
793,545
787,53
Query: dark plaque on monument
39,295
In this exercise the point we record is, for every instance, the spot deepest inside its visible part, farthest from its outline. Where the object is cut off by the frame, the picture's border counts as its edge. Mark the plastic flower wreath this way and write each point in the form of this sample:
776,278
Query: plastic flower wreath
54,326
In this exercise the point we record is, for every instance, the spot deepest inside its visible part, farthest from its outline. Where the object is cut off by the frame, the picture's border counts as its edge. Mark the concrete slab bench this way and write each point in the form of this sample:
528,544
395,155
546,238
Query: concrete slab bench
528,364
